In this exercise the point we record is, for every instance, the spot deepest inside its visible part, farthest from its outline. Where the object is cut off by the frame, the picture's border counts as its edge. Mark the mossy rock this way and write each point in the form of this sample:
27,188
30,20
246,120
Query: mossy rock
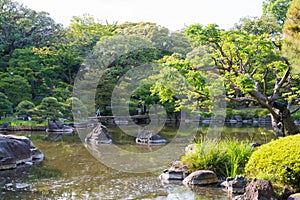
278,161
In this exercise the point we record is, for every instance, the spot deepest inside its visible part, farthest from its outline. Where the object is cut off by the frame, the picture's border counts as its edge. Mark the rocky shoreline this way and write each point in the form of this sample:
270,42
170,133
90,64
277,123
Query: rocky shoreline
17,150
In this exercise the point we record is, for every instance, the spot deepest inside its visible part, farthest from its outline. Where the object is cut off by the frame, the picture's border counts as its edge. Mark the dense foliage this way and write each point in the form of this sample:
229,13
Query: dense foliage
227,158
39,58
277,161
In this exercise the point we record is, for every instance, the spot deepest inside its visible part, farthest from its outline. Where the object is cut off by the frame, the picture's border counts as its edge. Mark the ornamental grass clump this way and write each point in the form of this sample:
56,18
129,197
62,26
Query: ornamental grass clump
278,161
224,157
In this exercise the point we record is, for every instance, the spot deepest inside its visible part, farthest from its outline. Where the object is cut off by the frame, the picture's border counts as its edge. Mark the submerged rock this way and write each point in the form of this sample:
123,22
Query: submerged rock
201,177
15,150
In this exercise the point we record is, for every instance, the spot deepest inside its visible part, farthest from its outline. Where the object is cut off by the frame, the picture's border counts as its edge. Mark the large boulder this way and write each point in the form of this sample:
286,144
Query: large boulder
258,189
201,177
99,135
15,150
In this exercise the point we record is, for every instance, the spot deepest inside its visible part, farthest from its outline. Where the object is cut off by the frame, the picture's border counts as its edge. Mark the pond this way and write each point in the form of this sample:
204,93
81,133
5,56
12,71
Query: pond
69,171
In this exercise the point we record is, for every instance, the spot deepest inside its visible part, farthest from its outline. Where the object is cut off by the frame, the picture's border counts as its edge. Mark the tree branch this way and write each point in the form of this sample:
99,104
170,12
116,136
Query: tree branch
279,84
241,99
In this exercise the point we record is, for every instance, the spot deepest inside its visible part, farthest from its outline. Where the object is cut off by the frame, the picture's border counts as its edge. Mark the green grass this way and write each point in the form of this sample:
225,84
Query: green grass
227,158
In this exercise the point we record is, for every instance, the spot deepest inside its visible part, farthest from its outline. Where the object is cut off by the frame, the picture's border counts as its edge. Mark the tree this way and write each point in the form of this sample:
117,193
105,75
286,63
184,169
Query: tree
161,37
21,27
25,108
28,64
251,68
292,33
16,88
84,32
265,24
5,105
276,8
49,109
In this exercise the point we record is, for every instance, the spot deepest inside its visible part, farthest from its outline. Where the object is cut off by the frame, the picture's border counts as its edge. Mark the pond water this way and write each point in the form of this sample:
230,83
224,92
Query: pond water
69,171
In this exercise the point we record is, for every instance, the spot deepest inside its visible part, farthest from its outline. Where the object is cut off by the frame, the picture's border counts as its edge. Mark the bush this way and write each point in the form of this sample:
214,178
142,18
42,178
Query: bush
278,162
225,157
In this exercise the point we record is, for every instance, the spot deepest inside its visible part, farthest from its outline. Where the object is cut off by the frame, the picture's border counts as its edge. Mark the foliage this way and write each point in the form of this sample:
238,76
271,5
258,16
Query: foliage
180,82
251,66
266,24
276,8
161,37
25,108
27,64
277,161
292,33
225,157
247,113
84,32
16,88
48,109
22,27
5,105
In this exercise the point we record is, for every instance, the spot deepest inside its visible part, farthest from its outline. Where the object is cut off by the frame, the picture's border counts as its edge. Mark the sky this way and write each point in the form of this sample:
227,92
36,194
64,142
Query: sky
173,14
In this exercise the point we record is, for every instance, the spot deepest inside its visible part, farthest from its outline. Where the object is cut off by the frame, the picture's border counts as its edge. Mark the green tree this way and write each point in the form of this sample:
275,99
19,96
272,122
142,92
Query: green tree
5,105
265,24
21,27
84,32
16,88
276,8
292,33
49,109
251,68
161,37
28,64
25,108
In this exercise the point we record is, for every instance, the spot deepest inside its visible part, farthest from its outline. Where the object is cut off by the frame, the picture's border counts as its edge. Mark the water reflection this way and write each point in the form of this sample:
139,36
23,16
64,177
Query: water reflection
69,171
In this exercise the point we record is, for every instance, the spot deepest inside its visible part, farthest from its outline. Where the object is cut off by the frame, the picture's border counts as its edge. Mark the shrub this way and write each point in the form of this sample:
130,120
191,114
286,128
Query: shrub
277,161
225,157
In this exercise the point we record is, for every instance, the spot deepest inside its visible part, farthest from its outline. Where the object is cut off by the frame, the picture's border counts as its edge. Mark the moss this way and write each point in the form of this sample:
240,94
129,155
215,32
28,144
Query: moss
278,162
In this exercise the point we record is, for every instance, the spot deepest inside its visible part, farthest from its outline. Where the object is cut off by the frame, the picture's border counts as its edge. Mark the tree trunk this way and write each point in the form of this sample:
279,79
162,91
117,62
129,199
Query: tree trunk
289,124
283,124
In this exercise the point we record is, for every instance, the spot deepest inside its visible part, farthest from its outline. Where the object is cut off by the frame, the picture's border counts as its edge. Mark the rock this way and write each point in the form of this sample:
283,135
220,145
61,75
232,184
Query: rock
15,150
57,127
294,197
201,177
4,126
176,172
258,189
99,135
238,118
147,137
235,185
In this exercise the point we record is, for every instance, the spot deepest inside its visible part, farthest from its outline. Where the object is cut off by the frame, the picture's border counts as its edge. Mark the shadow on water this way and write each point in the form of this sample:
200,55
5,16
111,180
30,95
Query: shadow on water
69,171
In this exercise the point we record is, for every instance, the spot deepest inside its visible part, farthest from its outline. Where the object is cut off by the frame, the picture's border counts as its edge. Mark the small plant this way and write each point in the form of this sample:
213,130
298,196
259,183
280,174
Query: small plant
225,157
278,162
